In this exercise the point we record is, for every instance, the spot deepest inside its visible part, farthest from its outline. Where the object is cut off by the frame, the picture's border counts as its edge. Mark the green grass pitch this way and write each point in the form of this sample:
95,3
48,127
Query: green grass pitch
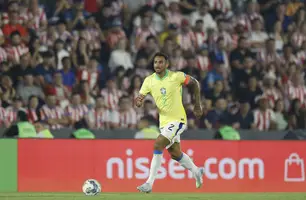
153,196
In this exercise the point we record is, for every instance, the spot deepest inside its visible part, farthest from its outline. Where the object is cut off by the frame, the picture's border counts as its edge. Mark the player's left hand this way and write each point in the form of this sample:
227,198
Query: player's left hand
198,111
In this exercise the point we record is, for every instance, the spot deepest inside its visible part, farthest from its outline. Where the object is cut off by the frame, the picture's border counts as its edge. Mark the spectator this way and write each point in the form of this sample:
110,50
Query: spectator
27,89
52,114
215,75
127,114
90,73
37,18
120,56
244,119
80,56
177,61
68,74
11,111
45,70
203,60
17,48
216,93
60,53
250,93
264,118
270,90
114,34
100,115
186,39
174,15
199,33
76,111
7,91
111,94
14,25
159,21
279,115
258,37
32,110
236,59
203,14
86,93
144,31
214,115
149,50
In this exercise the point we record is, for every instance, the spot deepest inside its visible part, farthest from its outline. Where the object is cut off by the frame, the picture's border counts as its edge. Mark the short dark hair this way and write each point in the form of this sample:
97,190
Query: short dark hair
15,33
100,96
241,38
151,37
199,21
160,54
65,58
22,116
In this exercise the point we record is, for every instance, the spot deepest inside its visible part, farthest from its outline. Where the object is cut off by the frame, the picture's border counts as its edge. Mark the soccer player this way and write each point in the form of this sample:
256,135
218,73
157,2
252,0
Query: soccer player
165,86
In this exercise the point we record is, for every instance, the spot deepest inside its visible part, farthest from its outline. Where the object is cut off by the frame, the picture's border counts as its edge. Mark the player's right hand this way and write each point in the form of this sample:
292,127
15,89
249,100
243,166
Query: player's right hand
139,100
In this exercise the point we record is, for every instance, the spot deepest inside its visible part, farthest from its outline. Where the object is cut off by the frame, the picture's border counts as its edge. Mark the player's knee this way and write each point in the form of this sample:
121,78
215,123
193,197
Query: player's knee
176,155
158,146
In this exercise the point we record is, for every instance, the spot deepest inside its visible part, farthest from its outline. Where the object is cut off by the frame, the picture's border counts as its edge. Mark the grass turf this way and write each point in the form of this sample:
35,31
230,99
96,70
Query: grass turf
154,196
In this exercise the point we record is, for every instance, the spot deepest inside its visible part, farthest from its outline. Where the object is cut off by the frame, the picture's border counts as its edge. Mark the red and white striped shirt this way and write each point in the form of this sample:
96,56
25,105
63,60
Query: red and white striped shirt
32,115
204,63
111,98
6,20
11,114
186,40
3,55
91,77
37,18
127,119
101,118
266,58
273,95
200,38
77,113
296,92
263,120
52,113
3,117
14,52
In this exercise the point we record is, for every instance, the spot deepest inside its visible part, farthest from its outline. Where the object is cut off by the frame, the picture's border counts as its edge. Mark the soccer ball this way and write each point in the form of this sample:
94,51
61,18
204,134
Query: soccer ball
91,187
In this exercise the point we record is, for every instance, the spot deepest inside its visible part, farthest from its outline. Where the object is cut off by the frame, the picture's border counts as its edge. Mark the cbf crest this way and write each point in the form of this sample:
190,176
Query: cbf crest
163,91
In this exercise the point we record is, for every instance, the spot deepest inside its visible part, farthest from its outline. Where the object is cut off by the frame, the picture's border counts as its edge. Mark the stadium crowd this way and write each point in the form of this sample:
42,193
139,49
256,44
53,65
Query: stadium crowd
67,60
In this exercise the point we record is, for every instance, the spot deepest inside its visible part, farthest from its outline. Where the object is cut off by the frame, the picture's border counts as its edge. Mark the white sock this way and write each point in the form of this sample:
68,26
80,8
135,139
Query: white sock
187,163
155,165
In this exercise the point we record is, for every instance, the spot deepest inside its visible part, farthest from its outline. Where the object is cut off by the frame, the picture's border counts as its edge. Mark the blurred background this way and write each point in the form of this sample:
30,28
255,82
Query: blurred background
67,62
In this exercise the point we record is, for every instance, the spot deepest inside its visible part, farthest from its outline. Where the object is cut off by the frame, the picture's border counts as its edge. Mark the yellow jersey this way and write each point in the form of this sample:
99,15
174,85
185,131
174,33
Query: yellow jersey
167,93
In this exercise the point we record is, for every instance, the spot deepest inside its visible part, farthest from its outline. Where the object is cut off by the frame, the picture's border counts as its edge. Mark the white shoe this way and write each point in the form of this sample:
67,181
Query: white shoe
199,177
145,188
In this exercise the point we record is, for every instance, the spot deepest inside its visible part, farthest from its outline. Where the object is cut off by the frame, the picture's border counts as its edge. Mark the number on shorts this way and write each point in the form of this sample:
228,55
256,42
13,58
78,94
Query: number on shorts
170,127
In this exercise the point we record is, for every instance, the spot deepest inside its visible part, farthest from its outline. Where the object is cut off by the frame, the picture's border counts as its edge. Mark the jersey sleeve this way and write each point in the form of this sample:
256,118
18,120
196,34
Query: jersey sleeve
145,88
182,78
